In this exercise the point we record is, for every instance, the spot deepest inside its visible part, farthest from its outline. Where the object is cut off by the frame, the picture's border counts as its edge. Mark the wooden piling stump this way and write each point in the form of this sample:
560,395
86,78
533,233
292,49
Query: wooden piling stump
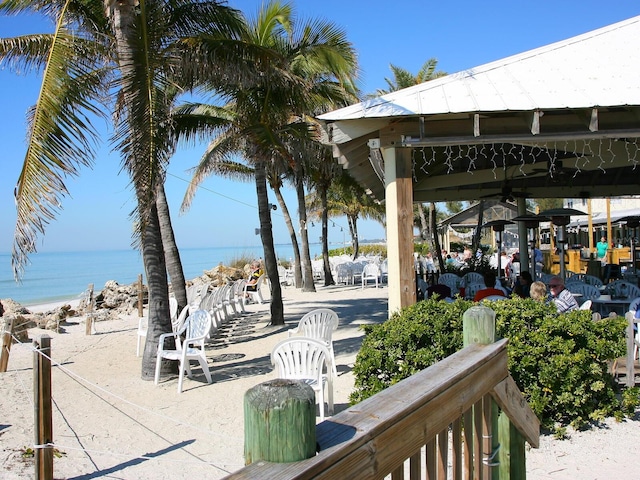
279,422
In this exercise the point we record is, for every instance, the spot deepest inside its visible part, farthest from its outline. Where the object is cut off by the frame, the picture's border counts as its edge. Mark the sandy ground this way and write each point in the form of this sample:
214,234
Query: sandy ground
110,424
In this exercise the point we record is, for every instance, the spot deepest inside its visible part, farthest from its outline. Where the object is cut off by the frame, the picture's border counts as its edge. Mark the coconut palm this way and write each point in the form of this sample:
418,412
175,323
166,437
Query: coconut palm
315,69
130,59
346,197
403,78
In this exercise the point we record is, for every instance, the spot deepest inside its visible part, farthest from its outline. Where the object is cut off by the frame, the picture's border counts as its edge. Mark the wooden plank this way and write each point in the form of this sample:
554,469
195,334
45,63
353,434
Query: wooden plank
443,453
370,439
467,418
430,459
478,471
456,449
487,437
415,466
510,400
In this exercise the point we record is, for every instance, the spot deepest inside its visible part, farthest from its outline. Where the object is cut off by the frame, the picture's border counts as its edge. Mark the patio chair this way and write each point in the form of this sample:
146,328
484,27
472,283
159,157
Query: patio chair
585,278
584,290
371,271
443,291
471,289
255,295
195,329
319,324
622,289
586,305
451,280
471,278
306,359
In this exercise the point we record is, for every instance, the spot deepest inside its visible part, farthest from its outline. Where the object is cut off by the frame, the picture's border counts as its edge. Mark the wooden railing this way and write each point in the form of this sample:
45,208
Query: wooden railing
442,419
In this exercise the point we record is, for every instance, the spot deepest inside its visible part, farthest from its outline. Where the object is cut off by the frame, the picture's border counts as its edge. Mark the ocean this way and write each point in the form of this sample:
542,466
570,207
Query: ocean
57,276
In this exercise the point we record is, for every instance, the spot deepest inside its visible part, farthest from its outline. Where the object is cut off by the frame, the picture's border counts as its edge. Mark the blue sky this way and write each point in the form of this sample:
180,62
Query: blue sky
459,35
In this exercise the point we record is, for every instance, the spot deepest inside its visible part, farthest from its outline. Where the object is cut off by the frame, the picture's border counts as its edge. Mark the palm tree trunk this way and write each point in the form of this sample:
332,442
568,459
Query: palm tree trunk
171,252
476,237
159,321
307,271
436,240
297,279
424,230
266,235
353,229
328,278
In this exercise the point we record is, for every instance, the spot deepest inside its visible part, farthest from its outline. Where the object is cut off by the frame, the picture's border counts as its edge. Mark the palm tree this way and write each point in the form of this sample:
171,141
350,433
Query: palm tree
346,197
322,172
128,58
403,78
312,68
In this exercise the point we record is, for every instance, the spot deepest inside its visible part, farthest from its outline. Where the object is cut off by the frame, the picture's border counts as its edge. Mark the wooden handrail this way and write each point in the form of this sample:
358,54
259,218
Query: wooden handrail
373,438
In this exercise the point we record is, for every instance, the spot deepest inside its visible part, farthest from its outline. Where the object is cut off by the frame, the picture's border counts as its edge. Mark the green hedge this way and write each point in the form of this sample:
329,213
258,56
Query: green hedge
559,361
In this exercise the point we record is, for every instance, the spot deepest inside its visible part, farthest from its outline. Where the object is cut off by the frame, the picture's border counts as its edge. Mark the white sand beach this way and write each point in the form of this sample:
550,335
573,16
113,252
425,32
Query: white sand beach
108,423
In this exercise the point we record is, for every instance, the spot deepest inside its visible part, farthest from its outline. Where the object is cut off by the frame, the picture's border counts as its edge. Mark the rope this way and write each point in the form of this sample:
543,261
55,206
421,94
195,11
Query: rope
139,457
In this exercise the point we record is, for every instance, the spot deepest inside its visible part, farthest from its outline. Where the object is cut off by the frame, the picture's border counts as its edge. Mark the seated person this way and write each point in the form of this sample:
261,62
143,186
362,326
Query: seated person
256,273
538,291
442,291
564,300
523,285
489,281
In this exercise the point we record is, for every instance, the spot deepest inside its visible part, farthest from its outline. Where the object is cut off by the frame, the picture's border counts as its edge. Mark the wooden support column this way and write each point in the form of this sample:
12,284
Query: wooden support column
399,203
523,238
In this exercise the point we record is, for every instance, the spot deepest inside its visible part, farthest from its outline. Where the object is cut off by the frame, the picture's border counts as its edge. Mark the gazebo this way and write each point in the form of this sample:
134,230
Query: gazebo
560,121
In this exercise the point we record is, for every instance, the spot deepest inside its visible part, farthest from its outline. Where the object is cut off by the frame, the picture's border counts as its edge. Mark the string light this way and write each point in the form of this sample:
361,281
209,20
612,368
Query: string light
501,155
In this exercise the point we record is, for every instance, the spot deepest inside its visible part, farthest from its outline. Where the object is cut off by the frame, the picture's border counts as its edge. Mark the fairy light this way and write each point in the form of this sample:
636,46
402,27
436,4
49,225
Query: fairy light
500,154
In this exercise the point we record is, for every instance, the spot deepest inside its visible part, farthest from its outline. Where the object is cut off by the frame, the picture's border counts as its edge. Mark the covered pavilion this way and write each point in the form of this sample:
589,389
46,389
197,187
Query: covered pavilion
560,121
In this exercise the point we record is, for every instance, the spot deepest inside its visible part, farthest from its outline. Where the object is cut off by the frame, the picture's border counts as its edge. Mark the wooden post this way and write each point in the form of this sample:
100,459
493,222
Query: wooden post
631,375
7,332
479,326
43,422
279,422
399,209
88,323
140,296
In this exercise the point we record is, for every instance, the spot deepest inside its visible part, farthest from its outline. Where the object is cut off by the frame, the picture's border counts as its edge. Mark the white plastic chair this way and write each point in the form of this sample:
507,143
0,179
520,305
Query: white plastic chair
473,288
306,359
143,323
472,277
319,324
256,295
195,329
142,333
586,305
620,288
343,273
371,271
587,292
585,278
451,280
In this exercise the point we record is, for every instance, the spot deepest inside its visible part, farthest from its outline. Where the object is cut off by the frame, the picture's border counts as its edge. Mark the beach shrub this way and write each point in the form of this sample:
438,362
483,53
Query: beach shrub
363,249
559,361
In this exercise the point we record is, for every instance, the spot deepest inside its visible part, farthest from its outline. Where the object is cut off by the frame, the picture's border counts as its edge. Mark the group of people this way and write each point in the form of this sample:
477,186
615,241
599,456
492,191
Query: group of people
525,287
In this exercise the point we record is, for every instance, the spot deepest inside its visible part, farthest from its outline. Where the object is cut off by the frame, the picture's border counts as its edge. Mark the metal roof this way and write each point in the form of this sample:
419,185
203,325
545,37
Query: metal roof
560,121
598,68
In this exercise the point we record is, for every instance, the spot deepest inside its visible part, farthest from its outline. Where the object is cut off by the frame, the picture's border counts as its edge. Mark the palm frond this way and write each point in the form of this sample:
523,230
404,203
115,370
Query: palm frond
61,138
